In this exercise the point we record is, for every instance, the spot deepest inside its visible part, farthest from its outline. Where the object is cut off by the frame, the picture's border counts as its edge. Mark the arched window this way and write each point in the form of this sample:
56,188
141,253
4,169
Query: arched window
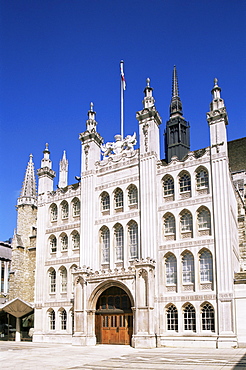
189,317
75,240
188,268
53,213
76,207
64,210
172,318
133,239
63,317
204,219
169,224
207,312
171,270
118,198
64,242
132,195
186,222
52,320
63,274
201,178
52,281
206,267
185,182
105,201
53,244
119,242
105,243
168,185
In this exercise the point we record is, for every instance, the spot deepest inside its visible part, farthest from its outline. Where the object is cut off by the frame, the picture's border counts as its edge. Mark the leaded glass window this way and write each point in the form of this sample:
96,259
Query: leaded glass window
105,243
171,270
208,317
119,242
189,318
185,182
172,318
168,186
133,239
206,267
188,268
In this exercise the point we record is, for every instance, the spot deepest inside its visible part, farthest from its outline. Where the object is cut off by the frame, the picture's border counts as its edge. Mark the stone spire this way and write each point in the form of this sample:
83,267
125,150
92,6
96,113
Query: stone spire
177,134
28,193
63,171
175,105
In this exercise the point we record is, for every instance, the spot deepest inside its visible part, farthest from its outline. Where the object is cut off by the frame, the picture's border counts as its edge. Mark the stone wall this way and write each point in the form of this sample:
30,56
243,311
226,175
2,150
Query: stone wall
22,276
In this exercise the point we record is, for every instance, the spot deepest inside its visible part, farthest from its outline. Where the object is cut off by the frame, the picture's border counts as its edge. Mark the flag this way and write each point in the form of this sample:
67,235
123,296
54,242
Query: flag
123,81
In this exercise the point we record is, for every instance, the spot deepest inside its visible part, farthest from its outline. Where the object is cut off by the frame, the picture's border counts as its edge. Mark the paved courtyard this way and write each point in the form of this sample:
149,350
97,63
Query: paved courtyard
33,356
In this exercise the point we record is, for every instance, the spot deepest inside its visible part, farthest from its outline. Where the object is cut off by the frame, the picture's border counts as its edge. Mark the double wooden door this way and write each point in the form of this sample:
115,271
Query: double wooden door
114,328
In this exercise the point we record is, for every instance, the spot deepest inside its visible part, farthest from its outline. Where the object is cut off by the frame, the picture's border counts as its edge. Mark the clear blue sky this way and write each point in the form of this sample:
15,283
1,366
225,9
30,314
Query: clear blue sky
56,56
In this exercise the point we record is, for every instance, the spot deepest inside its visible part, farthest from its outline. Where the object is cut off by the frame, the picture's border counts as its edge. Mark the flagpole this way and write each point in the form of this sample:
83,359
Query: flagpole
122,88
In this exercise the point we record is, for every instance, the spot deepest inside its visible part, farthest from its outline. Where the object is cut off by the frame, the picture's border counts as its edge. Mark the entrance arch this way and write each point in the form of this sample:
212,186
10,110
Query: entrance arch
114,317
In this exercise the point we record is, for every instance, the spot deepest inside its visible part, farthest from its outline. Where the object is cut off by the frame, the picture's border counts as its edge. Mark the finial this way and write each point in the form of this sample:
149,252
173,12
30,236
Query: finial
148,82
92,107
46,146
216,82
31,157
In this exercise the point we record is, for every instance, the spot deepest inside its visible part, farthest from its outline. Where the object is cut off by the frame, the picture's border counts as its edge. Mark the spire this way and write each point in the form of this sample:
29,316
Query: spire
63,171
28,193
176,105
91,123
45,173
148,101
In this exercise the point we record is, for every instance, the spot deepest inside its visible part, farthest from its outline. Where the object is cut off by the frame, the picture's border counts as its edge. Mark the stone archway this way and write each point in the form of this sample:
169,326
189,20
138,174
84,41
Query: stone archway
113,317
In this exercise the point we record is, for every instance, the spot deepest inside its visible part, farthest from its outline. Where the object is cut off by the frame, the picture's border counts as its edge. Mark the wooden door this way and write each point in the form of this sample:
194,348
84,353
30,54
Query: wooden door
114,329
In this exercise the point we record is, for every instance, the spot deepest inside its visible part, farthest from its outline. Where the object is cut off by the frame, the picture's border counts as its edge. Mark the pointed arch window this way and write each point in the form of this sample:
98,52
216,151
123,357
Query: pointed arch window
186,222
168,186
119,242
132,195
64,242
52,281
75,240
207,312
105,244
52,319
118,198
76,207
53,244
185,183
204,219
189,317
63,274
188,268
169,224
172,318
53,213
201,179
171,270
105,201
64,210
133,239
63,317
206,267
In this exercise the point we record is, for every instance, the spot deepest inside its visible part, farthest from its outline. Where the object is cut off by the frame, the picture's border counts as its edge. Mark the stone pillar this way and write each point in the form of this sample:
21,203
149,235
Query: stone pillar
17,333
144,329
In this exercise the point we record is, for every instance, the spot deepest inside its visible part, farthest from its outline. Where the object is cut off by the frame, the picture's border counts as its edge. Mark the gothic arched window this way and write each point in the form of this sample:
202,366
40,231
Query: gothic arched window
188,268
204,219
186,221
206,267
53,213
64,242
184,182
189,317
53,244
75,240
168,185
105,244
119,242
52,320
171,270
172,318
52,281
105,201
63,275
118,198
76,207
169,224
201,178
64,210
207,312
63,317
133,239
132,195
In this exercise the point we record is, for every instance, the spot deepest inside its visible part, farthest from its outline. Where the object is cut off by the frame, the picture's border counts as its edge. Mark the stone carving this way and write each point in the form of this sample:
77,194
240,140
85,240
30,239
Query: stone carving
119,146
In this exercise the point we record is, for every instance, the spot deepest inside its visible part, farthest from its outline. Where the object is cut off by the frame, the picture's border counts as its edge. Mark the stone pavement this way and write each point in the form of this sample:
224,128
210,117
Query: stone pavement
50,356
